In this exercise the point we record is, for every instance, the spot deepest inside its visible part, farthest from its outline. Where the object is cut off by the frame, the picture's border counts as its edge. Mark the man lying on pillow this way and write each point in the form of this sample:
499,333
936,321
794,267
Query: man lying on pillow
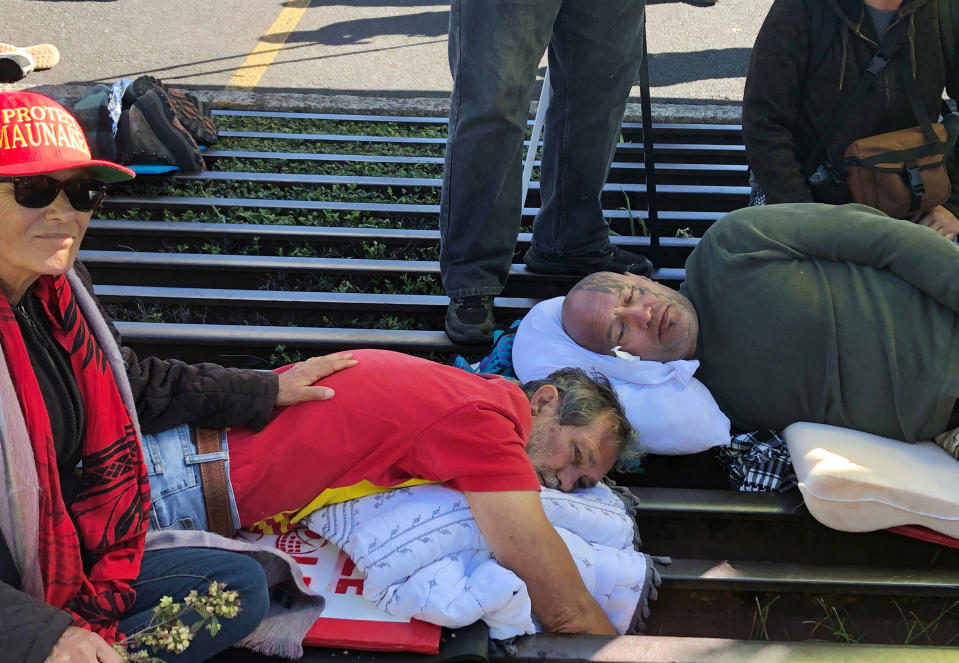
398,420
671,411
799,312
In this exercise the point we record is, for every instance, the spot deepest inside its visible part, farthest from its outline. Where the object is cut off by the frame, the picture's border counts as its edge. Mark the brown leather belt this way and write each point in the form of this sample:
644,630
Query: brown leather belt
216,490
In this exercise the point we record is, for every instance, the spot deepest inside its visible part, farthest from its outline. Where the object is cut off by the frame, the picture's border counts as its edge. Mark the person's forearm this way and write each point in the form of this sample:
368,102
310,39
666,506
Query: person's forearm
524,541
169,393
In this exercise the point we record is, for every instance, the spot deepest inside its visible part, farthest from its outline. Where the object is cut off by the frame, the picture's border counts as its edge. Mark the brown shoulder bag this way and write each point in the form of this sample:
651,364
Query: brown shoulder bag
902,173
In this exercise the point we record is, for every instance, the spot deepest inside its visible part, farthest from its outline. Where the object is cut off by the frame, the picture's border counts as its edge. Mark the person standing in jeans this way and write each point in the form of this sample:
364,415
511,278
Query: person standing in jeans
495,46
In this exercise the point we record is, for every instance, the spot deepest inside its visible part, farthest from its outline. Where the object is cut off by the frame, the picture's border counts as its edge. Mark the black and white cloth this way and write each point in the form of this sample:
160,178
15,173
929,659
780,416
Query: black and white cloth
759,461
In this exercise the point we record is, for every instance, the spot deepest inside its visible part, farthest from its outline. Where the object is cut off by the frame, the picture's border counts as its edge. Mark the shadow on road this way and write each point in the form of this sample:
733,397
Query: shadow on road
379,3
673,68
362,30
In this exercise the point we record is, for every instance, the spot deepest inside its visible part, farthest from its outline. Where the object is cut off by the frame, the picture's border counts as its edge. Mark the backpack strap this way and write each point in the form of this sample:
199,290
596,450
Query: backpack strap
915,101
892,42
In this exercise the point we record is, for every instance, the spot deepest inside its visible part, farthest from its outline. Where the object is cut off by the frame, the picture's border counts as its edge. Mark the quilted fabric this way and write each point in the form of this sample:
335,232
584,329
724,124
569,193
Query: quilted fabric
424,556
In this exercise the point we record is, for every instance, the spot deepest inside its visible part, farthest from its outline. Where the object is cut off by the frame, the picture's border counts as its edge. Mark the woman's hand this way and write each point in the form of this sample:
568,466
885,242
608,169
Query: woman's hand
78,645
941,220
296,384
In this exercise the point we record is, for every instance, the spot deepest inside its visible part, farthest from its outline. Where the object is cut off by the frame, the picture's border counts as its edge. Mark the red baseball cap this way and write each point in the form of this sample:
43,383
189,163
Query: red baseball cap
38,135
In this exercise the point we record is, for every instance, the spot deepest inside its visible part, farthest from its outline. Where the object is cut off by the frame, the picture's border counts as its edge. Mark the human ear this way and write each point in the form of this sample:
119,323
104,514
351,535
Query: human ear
545,401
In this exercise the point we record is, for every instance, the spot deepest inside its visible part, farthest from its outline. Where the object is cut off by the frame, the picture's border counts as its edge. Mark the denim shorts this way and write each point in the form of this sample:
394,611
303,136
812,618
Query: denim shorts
174,469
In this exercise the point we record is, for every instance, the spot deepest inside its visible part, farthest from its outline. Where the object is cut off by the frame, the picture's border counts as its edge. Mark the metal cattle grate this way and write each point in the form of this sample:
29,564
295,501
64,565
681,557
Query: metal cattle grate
286,216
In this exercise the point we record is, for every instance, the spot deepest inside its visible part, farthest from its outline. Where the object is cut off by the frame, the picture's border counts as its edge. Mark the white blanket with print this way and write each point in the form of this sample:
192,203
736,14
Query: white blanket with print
424,557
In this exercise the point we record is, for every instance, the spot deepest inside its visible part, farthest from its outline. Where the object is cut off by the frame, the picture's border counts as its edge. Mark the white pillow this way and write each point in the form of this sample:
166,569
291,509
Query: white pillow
859,482
672,412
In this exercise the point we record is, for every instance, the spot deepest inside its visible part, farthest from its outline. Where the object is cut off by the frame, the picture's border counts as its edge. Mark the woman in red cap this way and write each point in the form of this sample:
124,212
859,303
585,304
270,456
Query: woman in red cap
74,492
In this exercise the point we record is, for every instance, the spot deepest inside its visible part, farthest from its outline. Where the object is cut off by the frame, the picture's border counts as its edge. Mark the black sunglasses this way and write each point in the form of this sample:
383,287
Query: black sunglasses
40,190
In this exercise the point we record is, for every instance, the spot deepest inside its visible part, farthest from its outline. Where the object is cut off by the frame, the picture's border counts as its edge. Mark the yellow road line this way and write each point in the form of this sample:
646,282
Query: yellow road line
251,71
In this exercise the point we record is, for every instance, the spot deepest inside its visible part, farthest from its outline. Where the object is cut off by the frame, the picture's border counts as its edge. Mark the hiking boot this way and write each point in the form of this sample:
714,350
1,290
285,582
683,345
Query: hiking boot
149,132
470,319
192,113
613,259
143,84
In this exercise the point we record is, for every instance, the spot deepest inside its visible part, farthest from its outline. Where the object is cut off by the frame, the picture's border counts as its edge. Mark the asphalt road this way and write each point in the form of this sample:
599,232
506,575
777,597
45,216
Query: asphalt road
357,52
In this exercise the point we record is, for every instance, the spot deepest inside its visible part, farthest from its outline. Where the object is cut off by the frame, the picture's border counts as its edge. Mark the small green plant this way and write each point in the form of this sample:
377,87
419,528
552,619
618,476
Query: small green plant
391,322
281,356
915,629
632,220
374,250
166,631
423,284
217,213
302,252
346,286
684,233
182,247
759,630
838,623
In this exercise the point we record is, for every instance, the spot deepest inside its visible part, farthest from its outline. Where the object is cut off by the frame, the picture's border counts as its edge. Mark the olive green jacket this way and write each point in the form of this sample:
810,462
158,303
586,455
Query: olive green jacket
836,315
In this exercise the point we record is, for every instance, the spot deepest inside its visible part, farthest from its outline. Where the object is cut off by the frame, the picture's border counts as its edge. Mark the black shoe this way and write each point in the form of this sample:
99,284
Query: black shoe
138,88
193,113
470,319
613,259
150,132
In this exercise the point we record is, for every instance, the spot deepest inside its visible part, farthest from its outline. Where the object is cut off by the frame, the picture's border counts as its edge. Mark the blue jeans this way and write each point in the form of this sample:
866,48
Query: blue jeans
173,466
175,571
595,48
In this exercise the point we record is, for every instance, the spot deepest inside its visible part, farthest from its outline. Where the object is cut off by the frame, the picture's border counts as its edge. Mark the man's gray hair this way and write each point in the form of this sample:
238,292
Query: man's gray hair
583,398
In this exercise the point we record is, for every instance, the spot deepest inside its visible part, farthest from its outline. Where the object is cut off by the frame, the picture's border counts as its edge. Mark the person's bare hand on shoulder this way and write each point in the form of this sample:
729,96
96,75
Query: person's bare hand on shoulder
298,383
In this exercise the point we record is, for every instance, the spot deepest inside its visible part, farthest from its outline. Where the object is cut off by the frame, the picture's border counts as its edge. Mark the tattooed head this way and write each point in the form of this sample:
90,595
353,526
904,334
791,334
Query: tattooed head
645,318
